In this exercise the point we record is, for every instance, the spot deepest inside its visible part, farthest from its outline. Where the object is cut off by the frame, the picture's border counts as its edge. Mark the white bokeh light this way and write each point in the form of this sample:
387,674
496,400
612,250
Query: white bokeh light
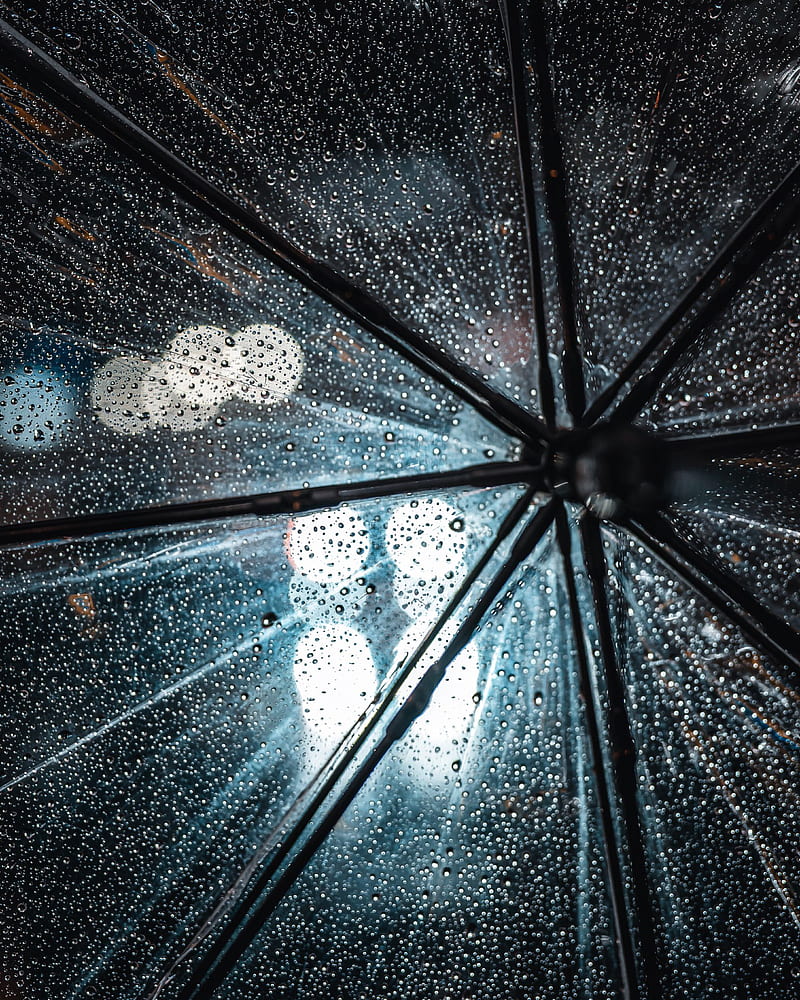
335,677
201,369
116,394
424,597
195,367
208,365
334,601
328,545
131,395
268,361
426,533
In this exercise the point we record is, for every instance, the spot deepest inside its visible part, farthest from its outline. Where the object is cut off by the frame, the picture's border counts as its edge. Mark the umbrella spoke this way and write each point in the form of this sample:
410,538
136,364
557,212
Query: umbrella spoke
281,502
727,443
69,95
555,190
255,908
513,32
764,628
623,763
740,257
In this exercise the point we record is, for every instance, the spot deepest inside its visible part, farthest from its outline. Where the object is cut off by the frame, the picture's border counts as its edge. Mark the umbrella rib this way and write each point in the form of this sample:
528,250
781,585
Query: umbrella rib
280,502
726,274
513,31
624,776
732,443
764,628
623,759
555,190
69,95
261,901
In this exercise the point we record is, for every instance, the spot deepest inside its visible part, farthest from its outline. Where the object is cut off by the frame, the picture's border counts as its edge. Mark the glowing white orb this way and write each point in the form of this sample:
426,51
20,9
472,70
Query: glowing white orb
131,395
426,533
36,408
116,394
207,365
423,596
268,363
335,677
195,366
180,413
328,545
334,601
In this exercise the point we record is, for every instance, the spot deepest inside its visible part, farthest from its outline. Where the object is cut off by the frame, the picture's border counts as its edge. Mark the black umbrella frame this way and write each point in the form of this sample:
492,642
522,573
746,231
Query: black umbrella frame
589,473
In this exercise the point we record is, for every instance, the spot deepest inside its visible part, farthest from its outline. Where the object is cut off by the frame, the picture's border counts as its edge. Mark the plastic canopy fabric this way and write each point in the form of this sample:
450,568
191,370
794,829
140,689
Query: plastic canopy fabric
399,437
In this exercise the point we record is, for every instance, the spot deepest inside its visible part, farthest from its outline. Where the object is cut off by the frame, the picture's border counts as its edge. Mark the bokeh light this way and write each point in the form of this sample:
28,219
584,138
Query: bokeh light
328,545
425,534
335,677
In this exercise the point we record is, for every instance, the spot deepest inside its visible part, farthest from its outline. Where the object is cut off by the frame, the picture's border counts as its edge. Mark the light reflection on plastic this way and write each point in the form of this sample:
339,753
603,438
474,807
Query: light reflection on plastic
425,535
436,738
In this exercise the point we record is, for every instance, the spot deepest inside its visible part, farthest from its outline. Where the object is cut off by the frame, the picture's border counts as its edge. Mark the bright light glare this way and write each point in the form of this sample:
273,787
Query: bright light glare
202,368
424,597
268,361
195,366
335,677
130,396
425,533
328,545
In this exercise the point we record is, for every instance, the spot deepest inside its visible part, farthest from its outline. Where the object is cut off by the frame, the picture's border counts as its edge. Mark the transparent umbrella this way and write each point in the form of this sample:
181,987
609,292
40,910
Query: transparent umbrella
399,433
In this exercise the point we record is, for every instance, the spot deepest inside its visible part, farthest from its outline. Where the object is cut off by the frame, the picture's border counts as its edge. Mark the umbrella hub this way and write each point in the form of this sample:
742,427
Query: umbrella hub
615,471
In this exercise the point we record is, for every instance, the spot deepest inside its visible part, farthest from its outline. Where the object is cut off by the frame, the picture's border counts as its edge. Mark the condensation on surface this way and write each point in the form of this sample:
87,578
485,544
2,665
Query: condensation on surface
169,701
752,541
486,877
173,699
676,122
743,371
717,729
146,356
376,136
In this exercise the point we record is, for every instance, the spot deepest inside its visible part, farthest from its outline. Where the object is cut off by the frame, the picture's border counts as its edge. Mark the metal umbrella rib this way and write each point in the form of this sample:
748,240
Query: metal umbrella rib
623,761
627,944
216,948
47,77
764,628
263,504
724,443
555,189
513,32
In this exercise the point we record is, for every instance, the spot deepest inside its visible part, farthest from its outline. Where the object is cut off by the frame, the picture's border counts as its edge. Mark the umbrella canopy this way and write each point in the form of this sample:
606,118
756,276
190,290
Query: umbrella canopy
398,436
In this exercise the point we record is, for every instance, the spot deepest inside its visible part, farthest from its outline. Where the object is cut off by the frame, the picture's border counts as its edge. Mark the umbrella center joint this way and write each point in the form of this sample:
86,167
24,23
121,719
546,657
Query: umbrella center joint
614,471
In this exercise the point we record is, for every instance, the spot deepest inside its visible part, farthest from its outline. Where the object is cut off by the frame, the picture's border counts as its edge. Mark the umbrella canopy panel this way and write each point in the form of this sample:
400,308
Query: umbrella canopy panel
149,357
743,370
675,123
500,699
379,130
490,882
180,689
717,737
